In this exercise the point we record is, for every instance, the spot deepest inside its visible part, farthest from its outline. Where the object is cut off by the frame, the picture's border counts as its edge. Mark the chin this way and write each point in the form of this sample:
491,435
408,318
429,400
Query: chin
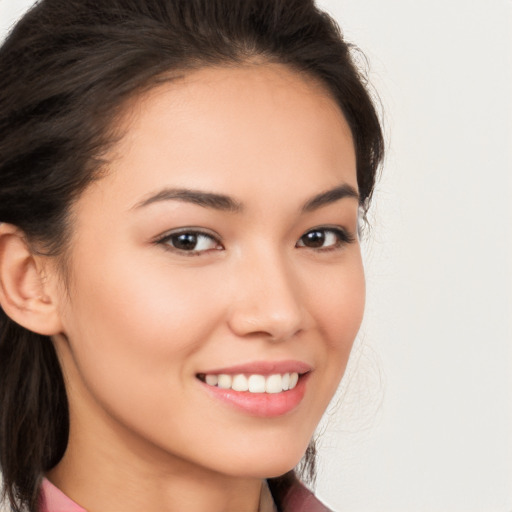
268,463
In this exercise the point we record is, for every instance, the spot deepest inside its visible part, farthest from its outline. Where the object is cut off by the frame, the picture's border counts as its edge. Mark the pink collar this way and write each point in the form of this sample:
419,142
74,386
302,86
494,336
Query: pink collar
54,500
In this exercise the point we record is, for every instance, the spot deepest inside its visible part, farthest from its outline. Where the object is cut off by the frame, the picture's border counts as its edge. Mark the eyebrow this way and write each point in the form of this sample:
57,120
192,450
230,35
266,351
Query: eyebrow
226,203
330,196
199,197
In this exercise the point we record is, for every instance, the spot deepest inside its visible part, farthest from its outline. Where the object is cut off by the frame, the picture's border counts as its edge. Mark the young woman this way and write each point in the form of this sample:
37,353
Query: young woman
181,183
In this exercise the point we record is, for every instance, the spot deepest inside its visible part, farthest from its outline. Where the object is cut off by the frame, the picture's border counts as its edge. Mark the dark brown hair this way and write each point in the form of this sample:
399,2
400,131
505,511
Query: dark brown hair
66,70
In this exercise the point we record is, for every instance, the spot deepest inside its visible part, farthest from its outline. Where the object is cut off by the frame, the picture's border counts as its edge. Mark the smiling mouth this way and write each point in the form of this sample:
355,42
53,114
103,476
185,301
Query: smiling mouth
255,383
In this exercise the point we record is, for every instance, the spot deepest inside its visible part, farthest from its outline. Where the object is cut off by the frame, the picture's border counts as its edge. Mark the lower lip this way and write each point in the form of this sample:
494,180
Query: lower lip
265,405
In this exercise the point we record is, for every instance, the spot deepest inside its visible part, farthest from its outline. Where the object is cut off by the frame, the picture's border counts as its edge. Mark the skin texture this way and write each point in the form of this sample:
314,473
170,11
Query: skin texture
139,320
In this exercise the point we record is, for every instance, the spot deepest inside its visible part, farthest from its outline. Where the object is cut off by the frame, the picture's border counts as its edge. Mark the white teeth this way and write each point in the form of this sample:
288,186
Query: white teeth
224,381
212,380
257,384
286,382
240,383
275,383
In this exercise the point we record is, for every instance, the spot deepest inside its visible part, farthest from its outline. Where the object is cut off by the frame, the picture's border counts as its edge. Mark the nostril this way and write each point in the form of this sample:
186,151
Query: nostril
261,324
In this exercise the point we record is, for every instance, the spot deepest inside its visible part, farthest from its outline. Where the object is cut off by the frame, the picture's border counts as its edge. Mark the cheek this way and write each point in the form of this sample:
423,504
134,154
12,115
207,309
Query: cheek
137,323
339,305
133,338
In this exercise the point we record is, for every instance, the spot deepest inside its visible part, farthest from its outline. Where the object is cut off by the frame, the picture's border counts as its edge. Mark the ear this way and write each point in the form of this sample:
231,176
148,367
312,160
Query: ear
26,296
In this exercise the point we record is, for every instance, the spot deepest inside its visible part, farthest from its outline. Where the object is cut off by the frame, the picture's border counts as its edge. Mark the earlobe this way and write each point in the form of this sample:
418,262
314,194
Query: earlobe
24,294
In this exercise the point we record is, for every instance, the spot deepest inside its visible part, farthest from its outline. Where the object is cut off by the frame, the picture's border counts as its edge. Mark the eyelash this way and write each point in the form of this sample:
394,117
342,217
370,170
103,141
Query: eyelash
198,233
343,238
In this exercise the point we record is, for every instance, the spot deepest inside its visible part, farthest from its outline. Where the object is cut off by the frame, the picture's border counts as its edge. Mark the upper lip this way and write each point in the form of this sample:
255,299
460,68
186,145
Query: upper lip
263,368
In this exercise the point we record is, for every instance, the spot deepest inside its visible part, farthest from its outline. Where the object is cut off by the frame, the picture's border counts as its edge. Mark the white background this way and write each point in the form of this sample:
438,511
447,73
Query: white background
425,421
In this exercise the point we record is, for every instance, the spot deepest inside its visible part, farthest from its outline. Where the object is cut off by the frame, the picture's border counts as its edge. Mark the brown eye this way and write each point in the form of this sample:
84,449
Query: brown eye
313,239
184,242
190,241
324,238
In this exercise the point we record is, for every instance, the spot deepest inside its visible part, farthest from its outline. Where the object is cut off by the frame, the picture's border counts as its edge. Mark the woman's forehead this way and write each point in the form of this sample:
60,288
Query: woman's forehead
232,128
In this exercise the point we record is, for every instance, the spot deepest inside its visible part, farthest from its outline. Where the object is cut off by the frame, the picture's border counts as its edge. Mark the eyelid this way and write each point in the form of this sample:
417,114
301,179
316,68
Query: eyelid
164,237
345,237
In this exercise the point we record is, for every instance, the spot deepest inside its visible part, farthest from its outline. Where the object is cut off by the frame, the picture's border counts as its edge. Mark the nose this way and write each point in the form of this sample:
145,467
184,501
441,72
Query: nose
266,300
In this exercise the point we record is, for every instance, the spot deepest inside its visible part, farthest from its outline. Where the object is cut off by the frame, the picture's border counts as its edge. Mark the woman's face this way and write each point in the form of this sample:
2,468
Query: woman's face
221,242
